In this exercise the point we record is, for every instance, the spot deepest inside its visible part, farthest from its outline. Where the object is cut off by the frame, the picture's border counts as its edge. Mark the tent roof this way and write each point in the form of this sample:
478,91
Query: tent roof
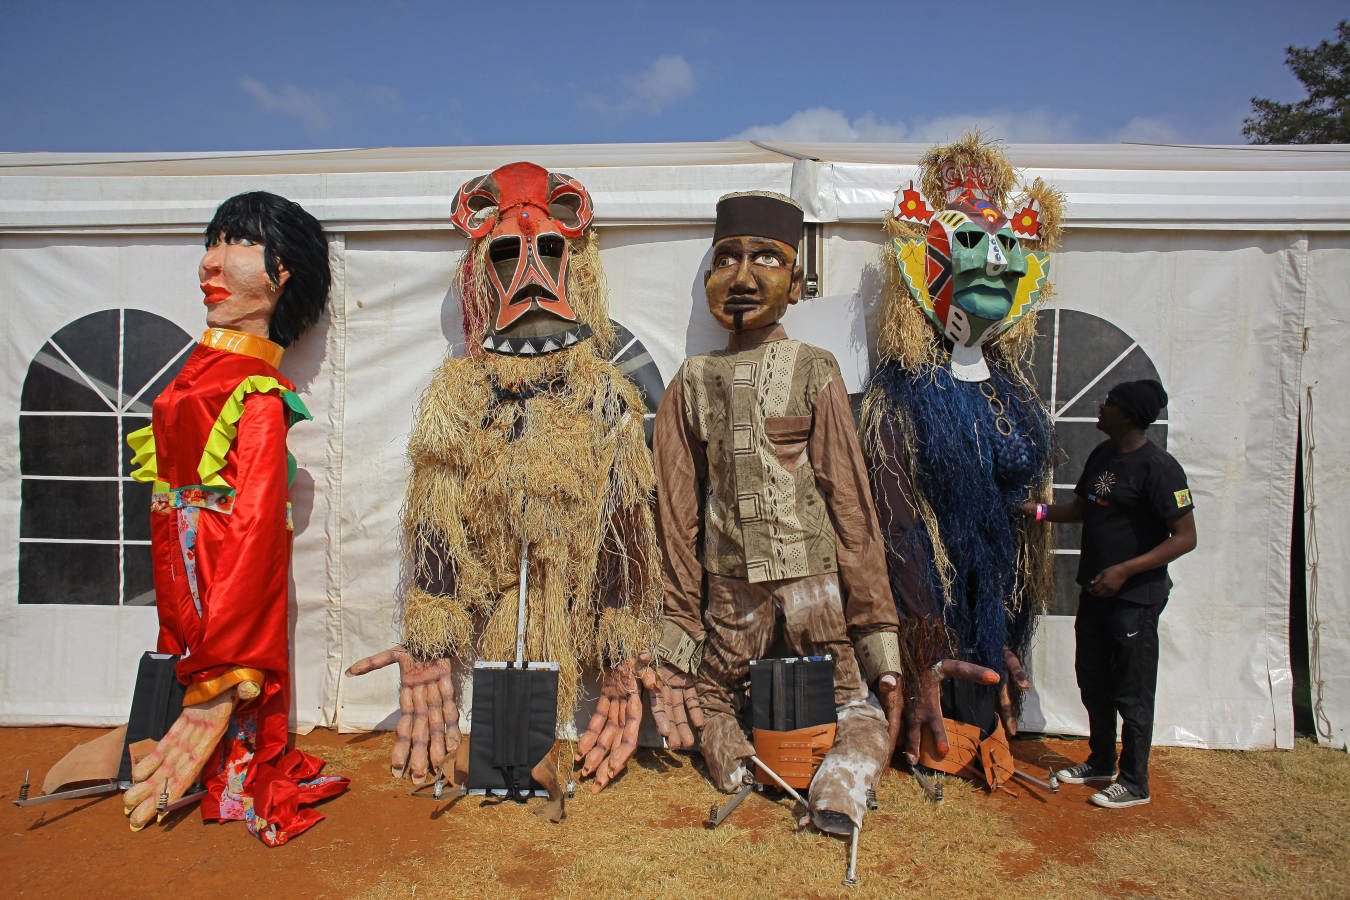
1108,185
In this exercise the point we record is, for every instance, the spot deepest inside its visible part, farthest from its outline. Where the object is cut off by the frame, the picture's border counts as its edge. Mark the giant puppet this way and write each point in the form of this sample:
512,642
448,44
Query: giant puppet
956,438
221,528
768,530
529,463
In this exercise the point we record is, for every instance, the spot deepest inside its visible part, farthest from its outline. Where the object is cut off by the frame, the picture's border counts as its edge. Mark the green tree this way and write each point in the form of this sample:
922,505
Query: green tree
1324,116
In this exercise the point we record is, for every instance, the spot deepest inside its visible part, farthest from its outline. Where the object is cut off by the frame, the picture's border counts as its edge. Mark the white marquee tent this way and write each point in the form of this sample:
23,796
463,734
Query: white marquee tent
1225,270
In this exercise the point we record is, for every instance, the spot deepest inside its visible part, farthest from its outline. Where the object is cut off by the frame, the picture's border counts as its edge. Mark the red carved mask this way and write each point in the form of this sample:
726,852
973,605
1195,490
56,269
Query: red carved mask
527,214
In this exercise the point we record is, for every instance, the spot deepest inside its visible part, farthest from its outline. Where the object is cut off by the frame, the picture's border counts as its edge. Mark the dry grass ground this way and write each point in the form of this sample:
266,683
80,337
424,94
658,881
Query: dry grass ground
1221,824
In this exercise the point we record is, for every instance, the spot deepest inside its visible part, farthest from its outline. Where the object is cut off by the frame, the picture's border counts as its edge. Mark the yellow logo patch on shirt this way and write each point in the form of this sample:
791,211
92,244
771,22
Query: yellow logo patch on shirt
1183,498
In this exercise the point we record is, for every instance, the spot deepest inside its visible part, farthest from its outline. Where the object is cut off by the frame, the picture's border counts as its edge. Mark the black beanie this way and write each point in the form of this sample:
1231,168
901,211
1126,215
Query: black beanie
1140,400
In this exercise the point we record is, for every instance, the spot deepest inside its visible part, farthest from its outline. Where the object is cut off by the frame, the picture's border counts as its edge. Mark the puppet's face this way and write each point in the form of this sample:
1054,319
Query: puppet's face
987,262
236,289
971,274
751,282
527,215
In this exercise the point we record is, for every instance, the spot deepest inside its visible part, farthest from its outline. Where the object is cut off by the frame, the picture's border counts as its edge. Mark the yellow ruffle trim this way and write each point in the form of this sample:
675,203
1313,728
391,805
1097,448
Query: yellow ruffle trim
226,427
142,444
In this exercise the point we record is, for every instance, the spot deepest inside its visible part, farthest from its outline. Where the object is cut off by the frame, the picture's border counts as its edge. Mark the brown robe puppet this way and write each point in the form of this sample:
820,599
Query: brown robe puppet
767,524
533,441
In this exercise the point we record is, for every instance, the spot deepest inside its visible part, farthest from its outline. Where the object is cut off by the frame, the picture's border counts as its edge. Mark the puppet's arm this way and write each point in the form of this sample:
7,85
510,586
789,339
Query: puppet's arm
681,471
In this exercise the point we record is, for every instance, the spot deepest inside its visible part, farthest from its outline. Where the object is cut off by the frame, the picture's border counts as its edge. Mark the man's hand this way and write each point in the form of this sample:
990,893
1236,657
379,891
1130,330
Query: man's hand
611,736
1109,581
178,758
674,702
428,724
1014,679
923,709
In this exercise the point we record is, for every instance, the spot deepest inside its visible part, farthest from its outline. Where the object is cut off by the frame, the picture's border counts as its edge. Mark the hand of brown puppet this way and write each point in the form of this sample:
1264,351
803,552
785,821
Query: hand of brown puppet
675,704
893,704
611,736
923,708
178,758
427,733
1014,679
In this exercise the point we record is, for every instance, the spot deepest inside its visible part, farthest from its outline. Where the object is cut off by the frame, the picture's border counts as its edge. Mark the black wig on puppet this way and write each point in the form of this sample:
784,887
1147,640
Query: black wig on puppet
290,237
955,434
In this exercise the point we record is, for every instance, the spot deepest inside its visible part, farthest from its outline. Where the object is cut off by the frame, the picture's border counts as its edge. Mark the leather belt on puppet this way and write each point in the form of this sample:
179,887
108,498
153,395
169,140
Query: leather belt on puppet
977,753
156,703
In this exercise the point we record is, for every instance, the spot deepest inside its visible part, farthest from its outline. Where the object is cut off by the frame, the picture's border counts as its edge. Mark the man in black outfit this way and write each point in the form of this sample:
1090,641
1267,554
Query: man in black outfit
1137,517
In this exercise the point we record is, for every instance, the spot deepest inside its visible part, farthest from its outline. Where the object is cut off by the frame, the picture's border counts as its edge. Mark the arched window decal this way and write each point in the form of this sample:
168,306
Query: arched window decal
1076,359
84,532
635,363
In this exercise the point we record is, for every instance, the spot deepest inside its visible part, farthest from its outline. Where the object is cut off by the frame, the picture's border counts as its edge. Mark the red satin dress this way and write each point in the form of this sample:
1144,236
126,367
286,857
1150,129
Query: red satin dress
221,548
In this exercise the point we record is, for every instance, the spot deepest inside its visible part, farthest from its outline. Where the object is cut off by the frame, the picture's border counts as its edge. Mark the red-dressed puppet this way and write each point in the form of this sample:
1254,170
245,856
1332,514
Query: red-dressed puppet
221,527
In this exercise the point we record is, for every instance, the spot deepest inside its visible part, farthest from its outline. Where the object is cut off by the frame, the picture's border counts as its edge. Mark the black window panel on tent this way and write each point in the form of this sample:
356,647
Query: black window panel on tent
68,573
135,511
1079,353
52,384
69,510
69,445
84,524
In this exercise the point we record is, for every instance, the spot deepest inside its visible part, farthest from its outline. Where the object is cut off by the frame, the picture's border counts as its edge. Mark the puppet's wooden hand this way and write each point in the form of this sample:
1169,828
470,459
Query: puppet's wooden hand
178,758
427,733
611,736
893,704
923,707
675,704
1014,679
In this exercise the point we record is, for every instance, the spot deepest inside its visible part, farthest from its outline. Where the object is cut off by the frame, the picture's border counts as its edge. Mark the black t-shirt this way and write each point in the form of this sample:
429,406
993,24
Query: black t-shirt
1129,498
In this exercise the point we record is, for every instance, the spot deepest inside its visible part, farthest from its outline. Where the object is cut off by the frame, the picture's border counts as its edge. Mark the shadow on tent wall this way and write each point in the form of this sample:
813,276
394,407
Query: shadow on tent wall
1304,725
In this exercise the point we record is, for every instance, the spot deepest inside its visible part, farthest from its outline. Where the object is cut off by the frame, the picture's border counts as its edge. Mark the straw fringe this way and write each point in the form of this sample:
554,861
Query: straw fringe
574,479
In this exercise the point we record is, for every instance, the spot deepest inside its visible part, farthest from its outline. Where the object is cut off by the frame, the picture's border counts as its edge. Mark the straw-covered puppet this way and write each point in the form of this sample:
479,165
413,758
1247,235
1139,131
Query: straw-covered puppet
220,528
769,536
956,437
528,457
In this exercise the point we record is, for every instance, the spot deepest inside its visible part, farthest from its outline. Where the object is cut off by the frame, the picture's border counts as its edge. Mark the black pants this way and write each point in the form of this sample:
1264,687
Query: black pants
1116,660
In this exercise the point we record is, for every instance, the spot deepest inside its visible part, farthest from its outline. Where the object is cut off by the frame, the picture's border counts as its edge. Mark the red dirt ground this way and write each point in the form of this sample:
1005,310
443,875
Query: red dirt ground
83,847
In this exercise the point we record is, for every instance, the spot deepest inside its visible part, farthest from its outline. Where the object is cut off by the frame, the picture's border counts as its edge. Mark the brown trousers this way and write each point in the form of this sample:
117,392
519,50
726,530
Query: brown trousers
741,621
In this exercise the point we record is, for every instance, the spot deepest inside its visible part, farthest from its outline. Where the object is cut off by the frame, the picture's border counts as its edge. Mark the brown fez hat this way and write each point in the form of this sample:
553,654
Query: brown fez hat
759,214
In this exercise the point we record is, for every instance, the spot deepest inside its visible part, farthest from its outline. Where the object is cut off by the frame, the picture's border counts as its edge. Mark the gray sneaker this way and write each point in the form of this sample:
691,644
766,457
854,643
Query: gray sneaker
1085,773
1118,796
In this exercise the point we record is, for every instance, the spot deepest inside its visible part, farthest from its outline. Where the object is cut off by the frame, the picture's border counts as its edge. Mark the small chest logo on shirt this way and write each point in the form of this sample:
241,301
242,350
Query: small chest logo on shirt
1102,487
1183,498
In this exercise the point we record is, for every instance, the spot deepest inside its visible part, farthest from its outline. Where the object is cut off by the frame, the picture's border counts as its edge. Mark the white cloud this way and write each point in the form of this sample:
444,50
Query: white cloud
822,123
309,108
668,79
1148,130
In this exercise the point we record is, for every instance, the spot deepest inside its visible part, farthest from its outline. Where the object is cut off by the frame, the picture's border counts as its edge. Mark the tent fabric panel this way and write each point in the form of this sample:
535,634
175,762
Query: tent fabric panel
363,200
1326,436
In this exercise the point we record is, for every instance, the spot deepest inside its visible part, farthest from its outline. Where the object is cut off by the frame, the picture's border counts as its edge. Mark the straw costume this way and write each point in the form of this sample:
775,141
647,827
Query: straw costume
766,521
956,435
533,439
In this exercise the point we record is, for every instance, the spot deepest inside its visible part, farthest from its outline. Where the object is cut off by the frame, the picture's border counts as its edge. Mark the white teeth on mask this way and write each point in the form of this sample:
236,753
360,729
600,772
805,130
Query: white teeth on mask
539,345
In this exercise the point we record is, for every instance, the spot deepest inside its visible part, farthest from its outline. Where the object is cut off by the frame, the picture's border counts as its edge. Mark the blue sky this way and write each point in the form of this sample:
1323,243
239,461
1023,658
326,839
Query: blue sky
186,76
